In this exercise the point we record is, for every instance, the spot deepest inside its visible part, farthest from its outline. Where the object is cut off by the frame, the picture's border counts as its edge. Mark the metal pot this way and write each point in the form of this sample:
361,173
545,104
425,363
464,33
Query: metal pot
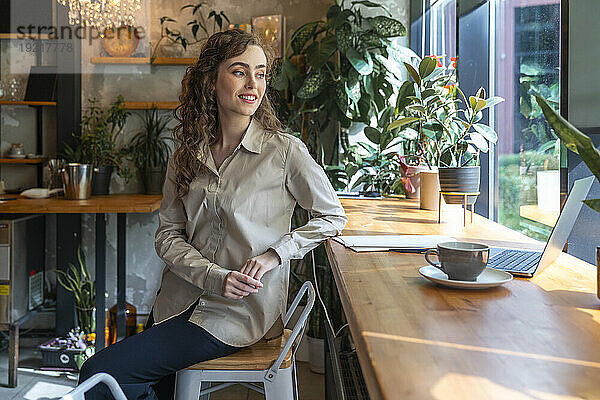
77,181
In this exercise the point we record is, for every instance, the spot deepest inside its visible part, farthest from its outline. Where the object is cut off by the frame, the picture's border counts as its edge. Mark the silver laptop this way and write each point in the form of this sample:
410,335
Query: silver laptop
526,262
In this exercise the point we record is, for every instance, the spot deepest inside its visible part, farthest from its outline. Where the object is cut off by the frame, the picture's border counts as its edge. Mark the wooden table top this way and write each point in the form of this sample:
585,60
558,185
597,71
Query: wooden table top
531,339
113,203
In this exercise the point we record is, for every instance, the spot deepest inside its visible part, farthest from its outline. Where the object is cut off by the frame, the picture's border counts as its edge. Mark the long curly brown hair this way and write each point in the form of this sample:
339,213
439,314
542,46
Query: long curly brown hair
197,111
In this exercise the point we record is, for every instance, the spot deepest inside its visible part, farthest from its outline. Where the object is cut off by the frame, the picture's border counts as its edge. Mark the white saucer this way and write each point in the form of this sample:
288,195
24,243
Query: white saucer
489,278
39,193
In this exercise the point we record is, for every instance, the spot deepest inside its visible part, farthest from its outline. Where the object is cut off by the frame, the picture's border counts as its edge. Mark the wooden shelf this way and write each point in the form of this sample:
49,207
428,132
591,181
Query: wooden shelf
33,36
143,105
112,203
21,160
143,60
27,103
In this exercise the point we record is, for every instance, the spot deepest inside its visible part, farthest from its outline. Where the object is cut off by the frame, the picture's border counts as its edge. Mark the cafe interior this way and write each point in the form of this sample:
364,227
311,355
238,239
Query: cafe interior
458,136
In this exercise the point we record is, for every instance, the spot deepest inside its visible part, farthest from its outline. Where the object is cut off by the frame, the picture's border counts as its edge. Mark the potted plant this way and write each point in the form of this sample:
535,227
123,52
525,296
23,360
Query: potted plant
542,163
77,280
453,137
580,143
199,26
98,144
383,171
149,150
418,148
336,72
68,352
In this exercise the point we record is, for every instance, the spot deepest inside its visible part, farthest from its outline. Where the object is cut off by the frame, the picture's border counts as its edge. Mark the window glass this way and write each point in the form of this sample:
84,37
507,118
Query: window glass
526,61
443,30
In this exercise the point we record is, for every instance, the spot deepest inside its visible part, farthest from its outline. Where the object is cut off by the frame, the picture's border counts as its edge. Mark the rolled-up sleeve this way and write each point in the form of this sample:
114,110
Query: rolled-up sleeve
308,184
173,247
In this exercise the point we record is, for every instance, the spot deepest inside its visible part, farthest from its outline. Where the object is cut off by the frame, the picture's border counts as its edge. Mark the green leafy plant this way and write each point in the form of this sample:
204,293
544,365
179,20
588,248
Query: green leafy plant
378,161
447,135
98,142
421,105
576,141
337,176
149,148
336,73
77,280
537,135
199,27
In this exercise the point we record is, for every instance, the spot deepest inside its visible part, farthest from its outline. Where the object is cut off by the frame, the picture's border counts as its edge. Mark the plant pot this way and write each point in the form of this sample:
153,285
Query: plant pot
170,50
59,359
459,180
316,353
86,319
101,180
548,190
413,172
153,180
430,189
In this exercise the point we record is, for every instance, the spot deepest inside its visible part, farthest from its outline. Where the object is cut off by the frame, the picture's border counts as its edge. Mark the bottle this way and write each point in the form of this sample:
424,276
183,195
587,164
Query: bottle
130,321
106,328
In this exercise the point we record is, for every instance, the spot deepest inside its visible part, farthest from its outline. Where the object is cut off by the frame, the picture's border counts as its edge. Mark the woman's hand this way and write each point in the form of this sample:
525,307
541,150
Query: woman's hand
238,285
257,266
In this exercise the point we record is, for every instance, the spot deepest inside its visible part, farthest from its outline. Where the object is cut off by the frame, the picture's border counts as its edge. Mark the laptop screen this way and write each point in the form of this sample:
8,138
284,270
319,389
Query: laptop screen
566,221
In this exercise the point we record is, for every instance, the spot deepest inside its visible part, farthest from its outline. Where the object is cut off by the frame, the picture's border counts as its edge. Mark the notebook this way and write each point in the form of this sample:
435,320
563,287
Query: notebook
408,243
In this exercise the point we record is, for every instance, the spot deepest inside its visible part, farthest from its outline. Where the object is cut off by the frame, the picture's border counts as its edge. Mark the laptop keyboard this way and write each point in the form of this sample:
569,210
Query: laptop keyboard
515,260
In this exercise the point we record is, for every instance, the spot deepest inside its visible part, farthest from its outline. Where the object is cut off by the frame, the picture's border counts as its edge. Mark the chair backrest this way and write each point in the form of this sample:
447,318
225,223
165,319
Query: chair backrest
101,377
298,329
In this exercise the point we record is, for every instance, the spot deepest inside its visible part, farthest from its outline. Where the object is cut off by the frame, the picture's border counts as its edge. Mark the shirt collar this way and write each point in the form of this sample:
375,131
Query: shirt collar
252,139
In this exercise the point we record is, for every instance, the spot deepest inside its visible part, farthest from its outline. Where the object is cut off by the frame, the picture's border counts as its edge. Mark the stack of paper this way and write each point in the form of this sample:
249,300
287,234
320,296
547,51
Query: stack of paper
392,242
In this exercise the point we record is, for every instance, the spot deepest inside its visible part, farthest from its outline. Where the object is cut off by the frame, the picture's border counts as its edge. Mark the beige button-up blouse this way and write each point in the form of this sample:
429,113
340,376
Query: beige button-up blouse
232,214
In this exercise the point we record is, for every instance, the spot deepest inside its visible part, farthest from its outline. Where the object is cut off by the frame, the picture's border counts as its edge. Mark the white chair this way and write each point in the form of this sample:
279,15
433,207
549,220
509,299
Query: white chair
273,363
79,391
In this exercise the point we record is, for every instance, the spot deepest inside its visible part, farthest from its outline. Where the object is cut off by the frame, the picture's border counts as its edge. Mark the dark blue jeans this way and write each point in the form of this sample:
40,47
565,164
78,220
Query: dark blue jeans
145,364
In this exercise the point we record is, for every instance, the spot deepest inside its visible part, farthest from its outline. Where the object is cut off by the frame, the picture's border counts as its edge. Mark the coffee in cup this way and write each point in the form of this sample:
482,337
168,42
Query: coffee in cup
461,261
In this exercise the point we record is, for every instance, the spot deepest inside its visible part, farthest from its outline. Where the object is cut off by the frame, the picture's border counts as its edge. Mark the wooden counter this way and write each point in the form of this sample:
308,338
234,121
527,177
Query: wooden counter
120,204
529,339
114,203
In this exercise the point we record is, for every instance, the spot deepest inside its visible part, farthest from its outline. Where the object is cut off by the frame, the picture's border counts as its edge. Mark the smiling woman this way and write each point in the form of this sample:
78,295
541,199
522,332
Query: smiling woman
231,64
240,87
224,223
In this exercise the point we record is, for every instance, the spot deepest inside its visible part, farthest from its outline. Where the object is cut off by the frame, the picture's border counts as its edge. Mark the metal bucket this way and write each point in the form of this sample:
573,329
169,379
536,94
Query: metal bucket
77,181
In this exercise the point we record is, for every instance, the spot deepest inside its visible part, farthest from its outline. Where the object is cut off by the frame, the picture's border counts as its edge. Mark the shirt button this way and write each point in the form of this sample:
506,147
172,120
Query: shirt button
212,187
202,303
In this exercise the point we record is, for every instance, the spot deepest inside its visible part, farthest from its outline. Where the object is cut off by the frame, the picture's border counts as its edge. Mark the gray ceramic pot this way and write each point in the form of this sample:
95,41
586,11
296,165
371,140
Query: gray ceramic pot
460,180
153,180
101,180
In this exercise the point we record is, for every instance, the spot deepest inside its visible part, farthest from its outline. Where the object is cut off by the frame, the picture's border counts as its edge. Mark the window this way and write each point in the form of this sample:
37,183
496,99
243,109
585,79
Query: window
512,49
526,61
442,40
